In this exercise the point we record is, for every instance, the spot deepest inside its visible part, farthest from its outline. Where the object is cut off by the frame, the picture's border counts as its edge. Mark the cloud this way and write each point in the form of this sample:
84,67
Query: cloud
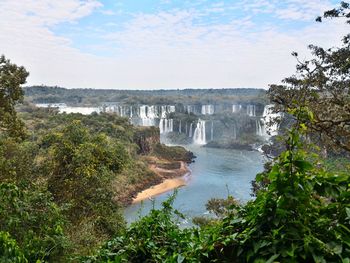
165,49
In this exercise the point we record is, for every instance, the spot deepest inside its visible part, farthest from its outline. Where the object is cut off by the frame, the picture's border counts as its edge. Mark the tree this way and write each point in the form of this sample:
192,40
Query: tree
323,85
11,79
81,166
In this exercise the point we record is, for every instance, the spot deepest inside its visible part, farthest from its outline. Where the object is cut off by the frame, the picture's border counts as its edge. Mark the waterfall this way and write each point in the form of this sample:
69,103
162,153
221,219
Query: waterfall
163,111
190,132
212,131
147,115
190,109
259,128
130,111
236,108
251,110
180,127
161,126
207,109
166,125
199,133
270,120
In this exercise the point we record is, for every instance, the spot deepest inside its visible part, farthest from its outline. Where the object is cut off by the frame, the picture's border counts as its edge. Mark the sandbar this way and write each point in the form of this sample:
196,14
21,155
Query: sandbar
165,186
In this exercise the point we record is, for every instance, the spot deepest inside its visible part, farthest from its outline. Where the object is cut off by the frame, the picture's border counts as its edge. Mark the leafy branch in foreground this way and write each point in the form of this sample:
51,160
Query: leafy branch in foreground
322,85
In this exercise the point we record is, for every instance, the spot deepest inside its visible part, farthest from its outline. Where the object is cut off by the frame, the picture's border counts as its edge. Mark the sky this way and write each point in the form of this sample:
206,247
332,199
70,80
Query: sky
163,44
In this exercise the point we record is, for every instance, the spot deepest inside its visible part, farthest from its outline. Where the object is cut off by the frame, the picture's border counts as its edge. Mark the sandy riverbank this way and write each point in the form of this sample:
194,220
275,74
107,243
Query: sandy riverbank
168,184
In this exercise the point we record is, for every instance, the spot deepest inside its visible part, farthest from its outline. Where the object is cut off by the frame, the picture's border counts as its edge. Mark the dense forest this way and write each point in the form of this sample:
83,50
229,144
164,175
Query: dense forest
61,177
44,94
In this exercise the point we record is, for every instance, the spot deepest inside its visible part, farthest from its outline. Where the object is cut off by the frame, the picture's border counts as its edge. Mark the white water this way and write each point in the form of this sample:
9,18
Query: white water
63,108
166,125
236,108
199,137
207,109
270,120
190,132
212,131
191,109
251,110
260,131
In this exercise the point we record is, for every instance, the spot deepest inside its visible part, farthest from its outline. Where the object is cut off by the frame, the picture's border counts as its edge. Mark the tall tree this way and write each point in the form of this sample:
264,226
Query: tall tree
321,84
11,79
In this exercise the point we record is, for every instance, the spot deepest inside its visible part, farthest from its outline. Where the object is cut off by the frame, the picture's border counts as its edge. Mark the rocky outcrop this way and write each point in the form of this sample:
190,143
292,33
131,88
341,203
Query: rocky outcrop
146,138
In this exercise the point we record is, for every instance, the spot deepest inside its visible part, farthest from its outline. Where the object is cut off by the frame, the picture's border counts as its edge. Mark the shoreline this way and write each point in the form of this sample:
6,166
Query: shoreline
167,185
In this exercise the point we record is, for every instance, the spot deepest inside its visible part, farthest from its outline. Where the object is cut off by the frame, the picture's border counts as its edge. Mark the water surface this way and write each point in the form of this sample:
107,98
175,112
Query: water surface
215,173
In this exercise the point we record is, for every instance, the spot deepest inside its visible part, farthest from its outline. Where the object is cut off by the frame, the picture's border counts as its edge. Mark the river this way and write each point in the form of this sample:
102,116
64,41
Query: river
215,173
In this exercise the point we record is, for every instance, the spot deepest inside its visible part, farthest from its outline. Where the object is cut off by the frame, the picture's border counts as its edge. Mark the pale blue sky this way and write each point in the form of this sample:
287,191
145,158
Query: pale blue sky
152,44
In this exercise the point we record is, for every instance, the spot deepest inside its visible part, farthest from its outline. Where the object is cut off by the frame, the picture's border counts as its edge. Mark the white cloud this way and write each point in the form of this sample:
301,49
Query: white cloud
162,50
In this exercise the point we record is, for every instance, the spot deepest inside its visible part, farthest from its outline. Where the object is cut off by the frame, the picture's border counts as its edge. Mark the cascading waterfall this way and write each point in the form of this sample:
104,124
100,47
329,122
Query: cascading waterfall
146,115
207,109
130,111
186,128
191,109
180,131
251,110
190,132
270,127
212,131
236,108
199,133
259,128
166,125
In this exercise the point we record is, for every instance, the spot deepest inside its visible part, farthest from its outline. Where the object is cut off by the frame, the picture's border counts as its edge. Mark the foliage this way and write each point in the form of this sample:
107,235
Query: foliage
154,238
176,153
9,250
82,166
11,78
16,161
321,84
303,215
33,220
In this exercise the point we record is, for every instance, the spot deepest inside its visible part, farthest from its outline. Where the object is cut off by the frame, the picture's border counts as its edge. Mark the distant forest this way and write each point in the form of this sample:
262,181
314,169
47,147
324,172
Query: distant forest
46,94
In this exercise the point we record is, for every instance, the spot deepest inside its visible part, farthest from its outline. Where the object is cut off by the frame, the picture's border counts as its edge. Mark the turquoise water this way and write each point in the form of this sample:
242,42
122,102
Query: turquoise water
215,173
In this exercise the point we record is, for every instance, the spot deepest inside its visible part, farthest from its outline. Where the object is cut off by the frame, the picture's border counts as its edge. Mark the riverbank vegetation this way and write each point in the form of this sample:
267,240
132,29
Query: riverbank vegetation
64,177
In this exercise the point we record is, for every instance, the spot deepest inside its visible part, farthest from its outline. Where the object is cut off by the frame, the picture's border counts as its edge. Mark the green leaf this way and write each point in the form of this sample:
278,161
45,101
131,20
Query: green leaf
303,165
272,258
